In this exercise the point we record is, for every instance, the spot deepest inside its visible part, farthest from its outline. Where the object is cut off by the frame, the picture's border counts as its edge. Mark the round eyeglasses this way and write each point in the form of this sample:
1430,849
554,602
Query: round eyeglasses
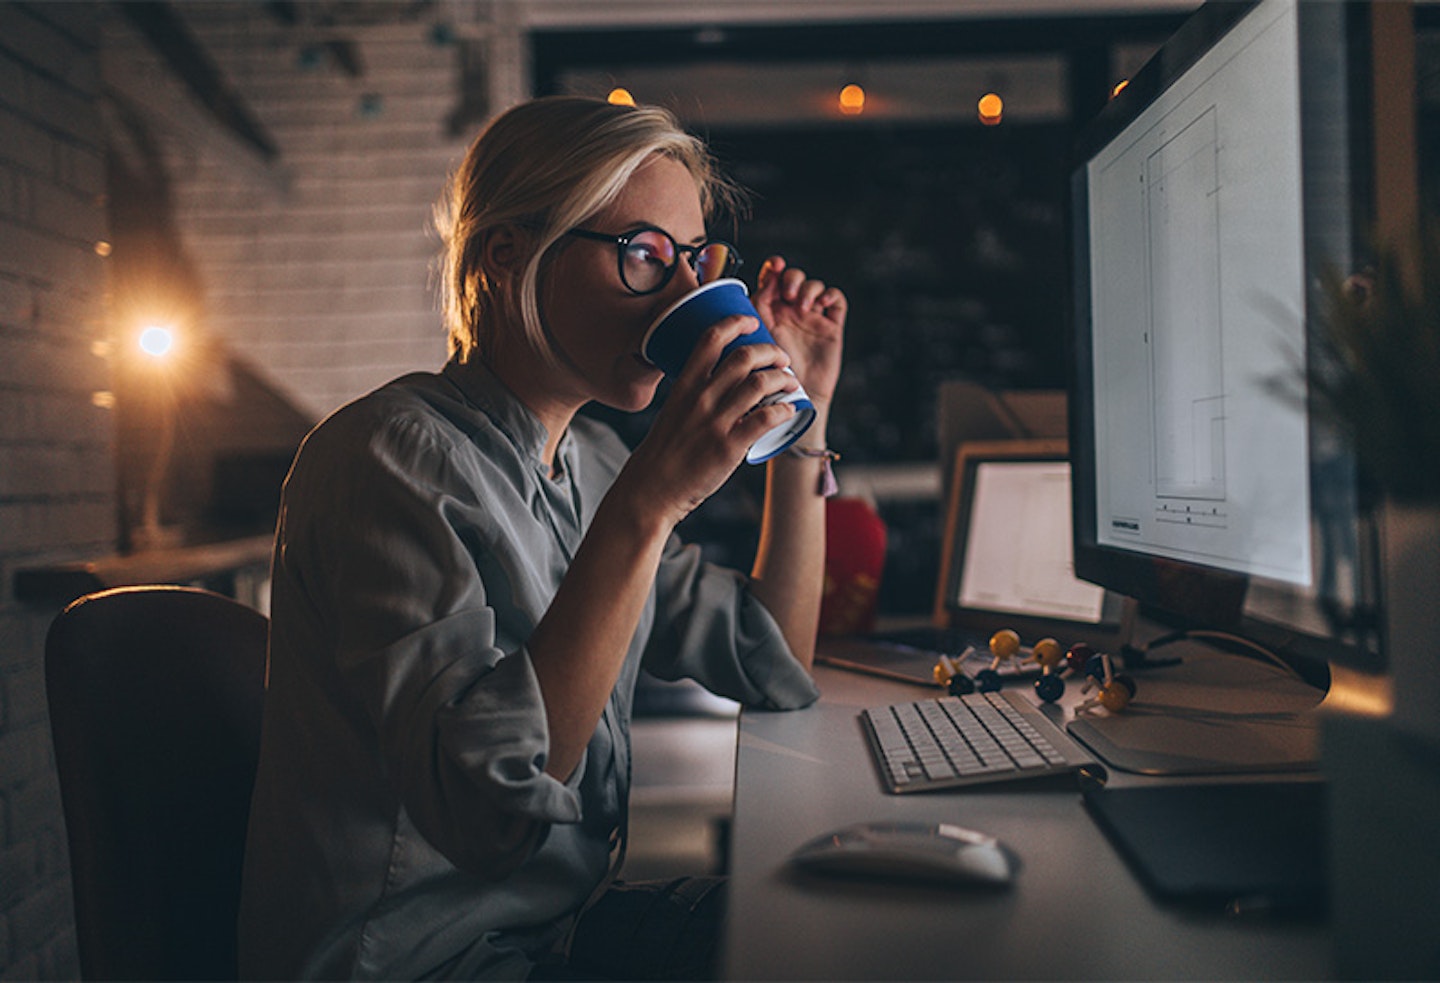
648,257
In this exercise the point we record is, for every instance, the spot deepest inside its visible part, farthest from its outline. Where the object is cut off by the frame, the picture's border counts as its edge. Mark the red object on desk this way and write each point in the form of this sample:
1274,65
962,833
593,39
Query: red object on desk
854,560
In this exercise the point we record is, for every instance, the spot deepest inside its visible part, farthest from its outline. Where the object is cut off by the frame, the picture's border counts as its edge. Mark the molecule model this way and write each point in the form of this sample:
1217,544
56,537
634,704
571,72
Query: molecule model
1004,645
1114,691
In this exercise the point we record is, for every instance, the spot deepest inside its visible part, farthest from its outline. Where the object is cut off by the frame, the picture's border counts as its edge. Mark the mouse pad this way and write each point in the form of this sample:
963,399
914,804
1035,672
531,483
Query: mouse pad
1209,716
1235,846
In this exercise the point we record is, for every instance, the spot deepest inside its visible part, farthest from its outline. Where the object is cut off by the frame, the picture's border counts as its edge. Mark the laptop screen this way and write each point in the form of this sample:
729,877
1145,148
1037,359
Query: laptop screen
1018,555
1009,553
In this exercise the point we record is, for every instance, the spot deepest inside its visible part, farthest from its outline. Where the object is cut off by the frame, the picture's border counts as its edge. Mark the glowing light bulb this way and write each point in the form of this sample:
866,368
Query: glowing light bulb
620,97
157,341
1118,86
852,100
990,108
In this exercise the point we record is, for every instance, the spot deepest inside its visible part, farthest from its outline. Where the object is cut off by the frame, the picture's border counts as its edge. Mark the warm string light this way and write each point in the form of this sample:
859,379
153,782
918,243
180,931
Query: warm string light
1118,87
990,109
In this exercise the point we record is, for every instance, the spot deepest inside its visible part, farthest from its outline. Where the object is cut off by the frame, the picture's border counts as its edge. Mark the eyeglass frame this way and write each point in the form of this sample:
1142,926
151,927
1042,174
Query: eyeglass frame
691,254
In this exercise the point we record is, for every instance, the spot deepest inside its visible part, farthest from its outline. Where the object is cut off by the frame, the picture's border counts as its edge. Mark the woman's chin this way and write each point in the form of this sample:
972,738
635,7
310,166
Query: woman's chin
649,381
637,396
641,400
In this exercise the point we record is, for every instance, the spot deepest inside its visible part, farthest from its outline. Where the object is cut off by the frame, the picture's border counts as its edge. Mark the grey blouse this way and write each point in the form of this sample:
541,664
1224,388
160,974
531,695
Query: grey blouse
403,825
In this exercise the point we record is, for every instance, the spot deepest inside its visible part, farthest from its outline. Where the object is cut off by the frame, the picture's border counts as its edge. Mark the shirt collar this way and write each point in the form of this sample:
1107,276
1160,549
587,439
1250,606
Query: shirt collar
484,391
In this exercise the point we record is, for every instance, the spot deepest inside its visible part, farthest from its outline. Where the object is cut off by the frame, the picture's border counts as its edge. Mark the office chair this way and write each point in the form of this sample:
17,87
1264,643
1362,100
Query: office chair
155,699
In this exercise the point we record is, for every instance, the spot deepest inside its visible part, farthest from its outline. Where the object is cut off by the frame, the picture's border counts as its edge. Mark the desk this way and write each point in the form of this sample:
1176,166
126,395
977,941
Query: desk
1075,911
220,566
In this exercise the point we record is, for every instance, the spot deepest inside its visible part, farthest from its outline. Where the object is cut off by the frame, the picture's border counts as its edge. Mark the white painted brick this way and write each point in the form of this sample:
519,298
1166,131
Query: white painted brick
15,421
30,38
57,260
22,143
36,473
16,195
74,524
25,694
30,361
14,82
56,448
73,310
80,23
66,212
51,364
79,166
17,302
24,753
10,196
66,110
323,263
66,417
380,201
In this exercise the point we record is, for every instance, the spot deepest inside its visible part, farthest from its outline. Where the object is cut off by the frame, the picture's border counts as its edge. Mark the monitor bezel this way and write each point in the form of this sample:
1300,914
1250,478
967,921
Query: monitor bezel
1334,44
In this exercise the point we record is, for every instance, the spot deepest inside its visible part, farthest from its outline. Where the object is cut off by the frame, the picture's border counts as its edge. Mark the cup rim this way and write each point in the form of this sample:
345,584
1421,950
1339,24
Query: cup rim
684,299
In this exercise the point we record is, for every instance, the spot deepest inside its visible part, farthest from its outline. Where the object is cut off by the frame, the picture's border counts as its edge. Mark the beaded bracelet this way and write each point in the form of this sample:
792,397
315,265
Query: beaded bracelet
827,485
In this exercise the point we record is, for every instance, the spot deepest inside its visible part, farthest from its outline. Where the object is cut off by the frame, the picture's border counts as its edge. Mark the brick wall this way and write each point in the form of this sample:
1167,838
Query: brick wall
56,444
315,273
315,266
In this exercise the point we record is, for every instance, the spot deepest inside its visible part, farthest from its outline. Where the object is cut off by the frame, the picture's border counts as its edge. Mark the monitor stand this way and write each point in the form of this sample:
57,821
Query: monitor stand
1213,713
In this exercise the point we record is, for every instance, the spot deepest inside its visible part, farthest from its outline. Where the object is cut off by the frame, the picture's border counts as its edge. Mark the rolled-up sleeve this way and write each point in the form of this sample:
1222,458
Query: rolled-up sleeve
710,628
411,575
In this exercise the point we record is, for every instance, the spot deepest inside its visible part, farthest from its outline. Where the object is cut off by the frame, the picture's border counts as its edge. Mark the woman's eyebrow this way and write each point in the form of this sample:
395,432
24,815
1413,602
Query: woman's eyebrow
638,224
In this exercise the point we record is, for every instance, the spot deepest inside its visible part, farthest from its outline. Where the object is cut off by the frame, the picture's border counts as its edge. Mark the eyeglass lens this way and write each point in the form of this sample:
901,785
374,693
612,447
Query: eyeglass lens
717,259
650,256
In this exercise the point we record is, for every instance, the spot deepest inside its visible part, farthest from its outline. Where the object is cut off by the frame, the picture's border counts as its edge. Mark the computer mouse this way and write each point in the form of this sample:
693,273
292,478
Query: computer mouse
938,852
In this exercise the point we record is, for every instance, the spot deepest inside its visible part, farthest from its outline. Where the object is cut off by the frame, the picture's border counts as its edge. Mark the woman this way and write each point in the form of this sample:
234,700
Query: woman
468,576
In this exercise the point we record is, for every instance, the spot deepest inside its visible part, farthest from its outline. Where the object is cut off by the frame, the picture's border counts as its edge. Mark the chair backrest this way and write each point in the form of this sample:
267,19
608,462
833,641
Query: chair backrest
155,700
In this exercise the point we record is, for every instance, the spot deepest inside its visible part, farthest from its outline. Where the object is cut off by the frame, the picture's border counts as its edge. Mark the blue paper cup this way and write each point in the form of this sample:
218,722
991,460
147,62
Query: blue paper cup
672,337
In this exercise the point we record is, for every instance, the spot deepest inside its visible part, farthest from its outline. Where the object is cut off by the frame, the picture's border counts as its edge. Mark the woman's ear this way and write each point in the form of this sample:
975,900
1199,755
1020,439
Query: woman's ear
500,252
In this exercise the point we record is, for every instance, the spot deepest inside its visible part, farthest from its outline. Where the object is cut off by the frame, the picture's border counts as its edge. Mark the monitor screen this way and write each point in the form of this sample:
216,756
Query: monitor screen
1206,200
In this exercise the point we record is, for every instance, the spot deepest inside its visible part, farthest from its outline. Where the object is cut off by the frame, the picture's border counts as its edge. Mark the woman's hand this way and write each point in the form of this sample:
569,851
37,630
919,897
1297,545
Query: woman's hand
710,418
807,319
712,414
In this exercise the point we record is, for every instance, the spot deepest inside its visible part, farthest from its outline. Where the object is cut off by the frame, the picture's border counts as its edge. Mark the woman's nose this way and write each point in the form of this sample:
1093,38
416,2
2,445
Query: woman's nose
683,281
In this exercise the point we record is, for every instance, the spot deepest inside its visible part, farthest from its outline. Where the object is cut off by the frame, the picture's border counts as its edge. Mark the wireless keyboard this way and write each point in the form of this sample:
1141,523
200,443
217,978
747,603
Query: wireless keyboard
956,741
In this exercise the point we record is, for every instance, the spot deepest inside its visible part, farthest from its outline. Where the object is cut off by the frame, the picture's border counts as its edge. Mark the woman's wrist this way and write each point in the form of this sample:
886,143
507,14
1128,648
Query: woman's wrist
822,459
636,513
822,407
814,435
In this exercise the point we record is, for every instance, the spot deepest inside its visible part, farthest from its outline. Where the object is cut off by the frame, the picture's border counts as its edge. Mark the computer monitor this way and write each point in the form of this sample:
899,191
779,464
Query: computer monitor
1207,198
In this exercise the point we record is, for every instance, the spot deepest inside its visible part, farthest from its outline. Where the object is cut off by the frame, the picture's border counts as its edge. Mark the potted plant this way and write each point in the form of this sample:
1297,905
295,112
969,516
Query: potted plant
1374,373
1375,369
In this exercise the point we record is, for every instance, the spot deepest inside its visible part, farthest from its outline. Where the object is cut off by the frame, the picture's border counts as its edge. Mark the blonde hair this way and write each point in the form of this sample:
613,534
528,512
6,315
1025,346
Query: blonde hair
542,168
